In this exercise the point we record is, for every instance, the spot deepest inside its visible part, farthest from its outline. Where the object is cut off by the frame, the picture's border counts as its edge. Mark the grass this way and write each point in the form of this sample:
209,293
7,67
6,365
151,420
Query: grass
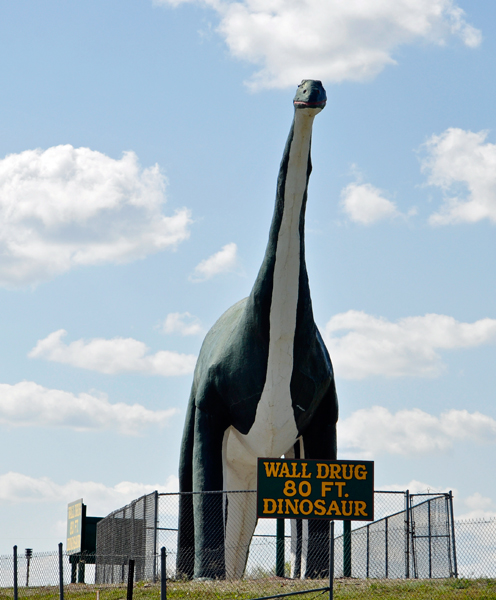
344,589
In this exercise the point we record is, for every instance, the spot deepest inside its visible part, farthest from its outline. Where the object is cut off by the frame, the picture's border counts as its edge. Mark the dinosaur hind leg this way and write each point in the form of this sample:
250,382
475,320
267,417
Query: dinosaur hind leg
319,441
186,536
207,507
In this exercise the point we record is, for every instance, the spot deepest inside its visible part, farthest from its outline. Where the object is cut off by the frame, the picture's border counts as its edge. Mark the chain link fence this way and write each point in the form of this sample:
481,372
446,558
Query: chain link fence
476,548
129,532
414,539
414,548
41,569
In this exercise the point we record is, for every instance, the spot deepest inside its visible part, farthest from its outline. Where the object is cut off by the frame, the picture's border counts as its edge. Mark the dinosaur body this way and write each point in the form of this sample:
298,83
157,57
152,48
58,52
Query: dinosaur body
263,382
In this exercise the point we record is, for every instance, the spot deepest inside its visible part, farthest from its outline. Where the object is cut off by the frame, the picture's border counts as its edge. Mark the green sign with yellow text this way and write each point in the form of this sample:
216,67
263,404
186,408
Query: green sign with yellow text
75,519
315,489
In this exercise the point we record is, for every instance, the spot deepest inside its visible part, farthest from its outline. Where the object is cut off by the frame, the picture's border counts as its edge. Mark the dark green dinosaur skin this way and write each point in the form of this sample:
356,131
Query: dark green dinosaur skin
228,382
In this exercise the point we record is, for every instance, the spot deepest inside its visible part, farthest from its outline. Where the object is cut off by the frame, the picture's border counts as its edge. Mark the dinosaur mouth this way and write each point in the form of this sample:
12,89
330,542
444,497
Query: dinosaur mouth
300,104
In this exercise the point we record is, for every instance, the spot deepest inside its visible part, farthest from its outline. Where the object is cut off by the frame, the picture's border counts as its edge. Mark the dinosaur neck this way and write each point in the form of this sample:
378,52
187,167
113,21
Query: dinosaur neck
283,274
280,300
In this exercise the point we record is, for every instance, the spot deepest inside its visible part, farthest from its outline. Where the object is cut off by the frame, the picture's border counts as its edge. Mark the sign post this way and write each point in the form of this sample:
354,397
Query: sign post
331,562
335,490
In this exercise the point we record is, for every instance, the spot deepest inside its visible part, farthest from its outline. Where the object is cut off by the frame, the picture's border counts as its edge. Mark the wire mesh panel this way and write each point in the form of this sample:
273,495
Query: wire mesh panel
130,532
413,543
378,549
476,548
229,556
41,569
395,557
225,552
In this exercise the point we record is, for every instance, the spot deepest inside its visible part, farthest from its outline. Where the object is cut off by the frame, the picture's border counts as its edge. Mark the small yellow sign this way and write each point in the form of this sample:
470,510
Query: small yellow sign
75,516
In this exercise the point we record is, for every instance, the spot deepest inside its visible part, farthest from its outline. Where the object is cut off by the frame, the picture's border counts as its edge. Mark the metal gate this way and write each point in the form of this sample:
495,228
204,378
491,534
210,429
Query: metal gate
433,552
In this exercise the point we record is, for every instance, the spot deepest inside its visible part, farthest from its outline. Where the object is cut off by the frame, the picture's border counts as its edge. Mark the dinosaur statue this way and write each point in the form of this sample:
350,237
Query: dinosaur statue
263,386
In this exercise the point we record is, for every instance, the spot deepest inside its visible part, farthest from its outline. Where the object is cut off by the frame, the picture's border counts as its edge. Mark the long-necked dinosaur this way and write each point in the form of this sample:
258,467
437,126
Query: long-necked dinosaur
263,385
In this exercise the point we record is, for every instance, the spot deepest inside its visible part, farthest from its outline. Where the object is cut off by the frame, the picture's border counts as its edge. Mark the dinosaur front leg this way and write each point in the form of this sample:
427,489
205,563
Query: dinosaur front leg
240,473
208,513
296,524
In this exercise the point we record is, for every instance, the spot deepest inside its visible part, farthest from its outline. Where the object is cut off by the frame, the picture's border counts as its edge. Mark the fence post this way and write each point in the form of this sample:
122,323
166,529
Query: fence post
368,550
61,573
163,574
386,533
130,579
455,565
16,593
346,548
331,562
155,526
430,536
407,534
280,542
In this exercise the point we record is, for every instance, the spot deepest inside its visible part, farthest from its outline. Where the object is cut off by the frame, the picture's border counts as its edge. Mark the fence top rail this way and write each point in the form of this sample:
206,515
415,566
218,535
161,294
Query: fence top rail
440,494
208,492
133,503
476,521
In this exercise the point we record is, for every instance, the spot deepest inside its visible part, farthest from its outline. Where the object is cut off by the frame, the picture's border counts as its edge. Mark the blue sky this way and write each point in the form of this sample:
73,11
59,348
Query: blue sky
139,148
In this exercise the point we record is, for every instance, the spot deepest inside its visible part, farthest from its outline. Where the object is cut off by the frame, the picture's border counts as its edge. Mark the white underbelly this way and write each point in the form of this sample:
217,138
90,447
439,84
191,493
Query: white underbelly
274,429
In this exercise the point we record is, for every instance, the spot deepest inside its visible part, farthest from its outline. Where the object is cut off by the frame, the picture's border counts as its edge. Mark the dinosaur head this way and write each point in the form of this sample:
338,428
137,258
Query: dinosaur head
310,94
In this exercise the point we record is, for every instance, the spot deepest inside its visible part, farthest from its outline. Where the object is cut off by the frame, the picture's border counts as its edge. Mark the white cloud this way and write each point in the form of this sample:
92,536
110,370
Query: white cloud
364,203
118,355
102,499
331,40
418,487
182,323
375,431
65,207
464,167
479,507
371,345
30,404
223,261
